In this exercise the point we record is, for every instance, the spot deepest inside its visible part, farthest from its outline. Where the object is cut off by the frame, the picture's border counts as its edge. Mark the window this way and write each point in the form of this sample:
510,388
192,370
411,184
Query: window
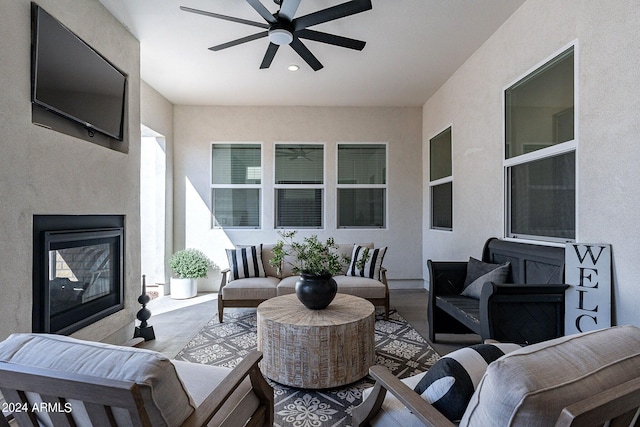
540,158
299,185
236,178
362,185
441,181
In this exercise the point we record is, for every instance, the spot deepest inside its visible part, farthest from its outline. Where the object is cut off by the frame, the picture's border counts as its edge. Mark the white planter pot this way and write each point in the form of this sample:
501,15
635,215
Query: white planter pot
183,288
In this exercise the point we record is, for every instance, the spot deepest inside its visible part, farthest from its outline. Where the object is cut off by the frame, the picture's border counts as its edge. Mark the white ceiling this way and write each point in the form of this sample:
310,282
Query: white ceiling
413,46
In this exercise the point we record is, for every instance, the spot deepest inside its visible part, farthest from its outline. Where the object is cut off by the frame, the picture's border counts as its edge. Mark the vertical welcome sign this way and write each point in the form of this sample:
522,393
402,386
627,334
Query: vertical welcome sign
588,299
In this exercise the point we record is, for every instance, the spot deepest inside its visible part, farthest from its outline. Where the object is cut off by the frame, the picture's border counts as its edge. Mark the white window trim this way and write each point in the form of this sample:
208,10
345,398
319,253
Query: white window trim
232,186
364,186
554,150
440,181
322,186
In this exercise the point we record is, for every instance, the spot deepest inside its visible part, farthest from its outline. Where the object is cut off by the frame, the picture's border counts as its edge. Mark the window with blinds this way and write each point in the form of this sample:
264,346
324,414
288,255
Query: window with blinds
299,185
236,180
362,185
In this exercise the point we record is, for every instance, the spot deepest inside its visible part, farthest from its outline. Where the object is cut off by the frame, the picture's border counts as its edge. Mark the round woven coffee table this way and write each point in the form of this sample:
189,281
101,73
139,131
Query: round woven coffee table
316,348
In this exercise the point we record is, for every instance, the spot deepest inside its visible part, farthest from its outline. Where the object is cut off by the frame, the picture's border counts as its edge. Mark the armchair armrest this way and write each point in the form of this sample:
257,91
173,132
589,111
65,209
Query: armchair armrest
212,403
446,277
386,381
536,309
223,280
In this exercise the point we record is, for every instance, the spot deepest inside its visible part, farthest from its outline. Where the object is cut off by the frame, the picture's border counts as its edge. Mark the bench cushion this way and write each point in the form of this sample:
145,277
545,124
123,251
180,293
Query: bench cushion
171,403
531,386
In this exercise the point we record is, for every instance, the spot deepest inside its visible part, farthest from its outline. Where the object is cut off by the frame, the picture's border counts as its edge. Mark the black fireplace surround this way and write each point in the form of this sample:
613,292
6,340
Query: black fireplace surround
78,270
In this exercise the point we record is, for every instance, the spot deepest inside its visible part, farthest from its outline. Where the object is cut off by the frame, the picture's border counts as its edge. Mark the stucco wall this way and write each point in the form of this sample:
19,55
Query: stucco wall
196,127
608,99
156,112
46,172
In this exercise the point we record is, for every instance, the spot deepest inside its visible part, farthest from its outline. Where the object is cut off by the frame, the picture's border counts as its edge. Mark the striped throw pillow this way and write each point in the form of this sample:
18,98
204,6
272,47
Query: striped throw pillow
371,268
245,262
453,379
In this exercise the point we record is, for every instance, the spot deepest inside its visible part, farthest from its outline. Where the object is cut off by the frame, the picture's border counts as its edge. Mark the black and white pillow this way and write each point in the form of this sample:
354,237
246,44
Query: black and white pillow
245,262
452,380
371,268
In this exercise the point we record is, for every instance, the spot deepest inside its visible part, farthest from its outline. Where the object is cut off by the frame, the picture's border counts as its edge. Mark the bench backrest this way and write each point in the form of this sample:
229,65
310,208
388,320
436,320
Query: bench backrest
533,264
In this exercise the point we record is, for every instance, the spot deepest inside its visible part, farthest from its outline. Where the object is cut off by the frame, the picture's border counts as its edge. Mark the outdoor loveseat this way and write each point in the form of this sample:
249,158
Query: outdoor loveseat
262,281
521,302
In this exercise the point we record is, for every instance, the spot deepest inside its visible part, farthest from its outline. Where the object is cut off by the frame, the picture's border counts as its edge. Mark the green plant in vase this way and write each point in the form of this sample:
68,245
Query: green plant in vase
188,265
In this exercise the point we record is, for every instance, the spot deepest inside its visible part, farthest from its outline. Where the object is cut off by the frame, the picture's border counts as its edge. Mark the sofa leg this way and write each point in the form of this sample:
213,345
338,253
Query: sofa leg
220,309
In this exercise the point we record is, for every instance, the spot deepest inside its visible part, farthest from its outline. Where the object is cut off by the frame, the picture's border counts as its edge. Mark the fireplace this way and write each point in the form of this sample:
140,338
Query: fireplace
77,270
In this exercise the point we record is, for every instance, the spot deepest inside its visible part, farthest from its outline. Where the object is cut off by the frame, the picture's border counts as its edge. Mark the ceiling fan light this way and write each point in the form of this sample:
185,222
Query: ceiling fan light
280,36
293,67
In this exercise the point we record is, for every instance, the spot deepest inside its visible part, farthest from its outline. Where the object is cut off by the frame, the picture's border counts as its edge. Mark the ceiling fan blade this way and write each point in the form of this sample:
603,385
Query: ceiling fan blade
239,41
262,10
332,13
321,37
268,56
288,9
306,54
225,17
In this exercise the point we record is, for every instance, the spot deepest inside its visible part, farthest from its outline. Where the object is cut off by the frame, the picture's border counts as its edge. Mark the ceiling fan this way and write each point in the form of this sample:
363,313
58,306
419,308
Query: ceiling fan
295,153
282,28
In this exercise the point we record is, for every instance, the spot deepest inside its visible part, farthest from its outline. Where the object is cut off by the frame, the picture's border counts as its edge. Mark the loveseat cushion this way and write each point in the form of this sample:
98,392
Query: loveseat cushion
532,385
362,287
358,286
452,380
171,403
245,262
253,288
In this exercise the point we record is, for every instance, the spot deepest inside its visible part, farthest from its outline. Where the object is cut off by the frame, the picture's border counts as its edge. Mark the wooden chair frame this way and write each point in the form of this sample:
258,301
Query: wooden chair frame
100,395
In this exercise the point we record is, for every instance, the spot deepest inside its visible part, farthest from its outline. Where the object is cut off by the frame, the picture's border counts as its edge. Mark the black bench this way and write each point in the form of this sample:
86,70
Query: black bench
528,309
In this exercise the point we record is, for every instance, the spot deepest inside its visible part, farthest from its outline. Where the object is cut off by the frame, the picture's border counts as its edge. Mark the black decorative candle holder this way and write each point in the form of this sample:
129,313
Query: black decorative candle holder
144,331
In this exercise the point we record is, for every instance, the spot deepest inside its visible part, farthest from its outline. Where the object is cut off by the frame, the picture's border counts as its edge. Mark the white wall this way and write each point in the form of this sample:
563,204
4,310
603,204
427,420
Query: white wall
156,112
196,127
46,172
608,101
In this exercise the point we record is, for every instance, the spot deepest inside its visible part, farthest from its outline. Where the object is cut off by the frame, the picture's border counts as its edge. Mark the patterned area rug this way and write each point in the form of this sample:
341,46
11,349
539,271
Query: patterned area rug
398,347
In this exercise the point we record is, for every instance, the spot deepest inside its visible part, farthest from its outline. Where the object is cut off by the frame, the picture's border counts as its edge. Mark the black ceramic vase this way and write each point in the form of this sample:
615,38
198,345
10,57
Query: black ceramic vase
316,292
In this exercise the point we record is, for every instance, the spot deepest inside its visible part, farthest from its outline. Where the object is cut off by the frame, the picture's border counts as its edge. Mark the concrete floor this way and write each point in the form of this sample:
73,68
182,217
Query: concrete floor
175,322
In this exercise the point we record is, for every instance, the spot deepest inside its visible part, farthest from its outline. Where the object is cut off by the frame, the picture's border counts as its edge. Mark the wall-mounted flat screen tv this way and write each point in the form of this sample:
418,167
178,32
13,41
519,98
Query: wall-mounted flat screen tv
71,79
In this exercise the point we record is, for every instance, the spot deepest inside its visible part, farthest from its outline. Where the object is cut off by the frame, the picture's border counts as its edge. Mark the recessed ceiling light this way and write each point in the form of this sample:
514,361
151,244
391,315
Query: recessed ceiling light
293,67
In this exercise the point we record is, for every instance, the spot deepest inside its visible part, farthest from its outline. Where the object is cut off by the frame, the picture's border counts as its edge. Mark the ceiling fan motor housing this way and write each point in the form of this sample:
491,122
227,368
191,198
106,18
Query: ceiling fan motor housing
281,33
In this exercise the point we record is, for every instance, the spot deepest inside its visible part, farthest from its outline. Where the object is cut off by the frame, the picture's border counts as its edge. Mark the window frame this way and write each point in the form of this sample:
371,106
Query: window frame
440,181
543,153
259,187
384,186
321,187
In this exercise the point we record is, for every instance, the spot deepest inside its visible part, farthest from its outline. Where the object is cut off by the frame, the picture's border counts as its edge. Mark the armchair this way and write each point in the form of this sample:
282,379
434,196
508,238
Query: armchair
62,381
536,385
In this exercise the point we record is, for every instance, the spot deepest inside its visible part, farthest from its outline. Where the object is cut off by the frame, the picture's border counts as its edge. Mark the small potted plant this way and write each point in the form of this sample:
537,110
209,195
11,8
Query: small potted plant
188,265
316,262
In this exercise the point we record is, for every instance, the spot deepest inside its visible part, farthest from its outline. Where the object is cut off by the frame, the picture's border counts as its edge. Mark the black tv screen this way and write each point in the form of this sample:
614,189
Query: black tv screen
71,79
